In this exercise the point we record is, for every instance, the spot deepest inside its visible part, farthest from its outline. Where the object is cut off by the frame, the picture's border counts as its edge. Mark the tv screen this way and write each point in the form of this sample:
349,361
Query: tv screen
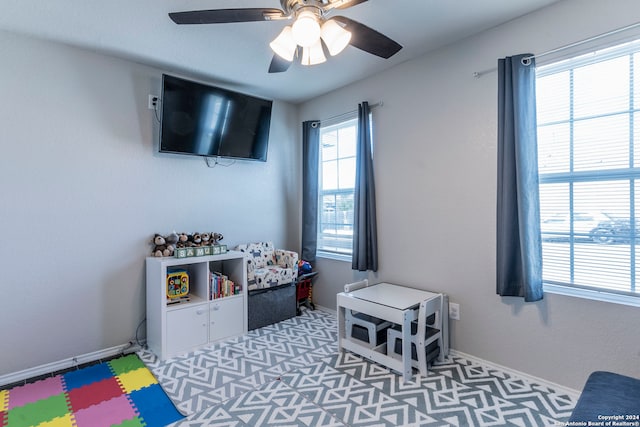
204,120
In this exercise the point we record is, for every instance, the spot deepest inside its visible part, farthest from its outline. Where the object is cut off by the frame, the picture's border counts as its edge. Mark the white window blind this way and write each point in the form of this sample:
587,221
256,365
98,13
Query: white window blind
588,115
337,186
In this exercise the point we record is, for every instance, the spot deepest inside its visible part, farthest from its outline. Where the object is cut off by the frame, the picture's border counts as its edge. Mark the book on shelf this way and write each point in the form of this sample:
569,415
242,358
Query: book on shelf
221,286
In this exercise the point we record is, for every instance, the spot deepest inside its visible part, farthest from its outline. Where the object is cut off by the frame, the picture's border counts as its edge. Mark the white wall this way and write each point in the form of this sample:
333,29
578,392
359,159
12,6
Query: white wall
83,190
435,158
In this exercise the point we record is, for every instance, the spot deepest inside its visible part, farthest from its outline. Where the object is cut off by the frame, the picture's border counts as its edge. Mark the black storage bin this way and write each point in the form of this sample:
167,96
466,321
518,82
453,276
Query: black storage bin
361,333
433,350
272,305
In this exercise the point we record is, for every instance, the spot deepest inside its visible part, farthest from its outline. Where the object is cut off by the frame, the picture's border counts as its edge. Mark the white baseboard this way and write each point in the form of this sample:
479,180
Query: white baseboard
530,378
67,363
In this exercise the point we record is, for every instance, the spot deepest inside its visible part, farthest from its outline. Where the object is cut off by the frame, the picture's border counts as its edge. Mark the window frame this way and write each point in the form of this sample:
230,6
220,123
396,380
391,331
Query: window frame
340,122
630,174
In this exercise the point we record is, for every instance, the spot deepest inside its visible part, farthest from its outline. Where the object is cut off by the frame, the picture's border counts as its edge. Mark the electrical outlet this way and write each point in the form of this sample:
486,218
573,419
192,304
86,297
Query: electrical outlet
454,311
153,102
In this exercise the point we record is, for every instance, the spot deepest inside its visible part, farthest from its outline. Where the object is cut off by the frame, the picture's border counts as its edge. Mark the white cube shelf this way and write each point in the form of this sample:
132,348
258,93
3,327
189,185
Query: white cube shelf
173,329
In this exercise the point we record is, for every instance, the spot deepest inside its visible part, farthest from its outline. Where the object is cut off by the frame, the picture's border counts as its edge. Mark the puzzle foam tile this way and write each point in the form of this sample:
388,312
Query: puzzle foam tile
155,407
4,400
85,376
94,393
136,422
35,413
135,380
33,392
125,364
108,413
65,421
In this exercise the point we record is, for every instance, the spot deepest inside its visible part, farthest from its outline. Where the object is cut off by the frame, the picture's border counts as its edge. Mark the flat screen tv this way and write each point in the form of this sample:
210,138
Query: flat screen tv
204,120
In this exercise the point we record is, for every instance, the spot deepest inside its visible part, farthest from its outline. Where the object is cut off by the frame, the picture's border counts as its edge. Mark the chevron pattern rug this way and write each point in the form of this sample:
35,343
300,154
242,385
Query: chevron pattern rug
290,374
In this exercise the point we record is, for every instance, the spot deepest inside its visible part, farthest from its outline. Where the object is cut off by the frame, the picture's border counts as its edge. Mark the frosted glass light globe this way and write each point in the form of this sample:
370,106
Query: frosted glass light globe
306,30
313,55
284,45
335,37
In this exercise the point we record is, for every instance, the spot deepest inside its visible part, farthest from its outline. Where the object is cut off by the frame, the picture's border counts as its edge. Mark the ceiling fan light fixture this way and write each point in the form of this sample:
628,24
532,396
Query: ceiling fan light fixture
335,37
313,55
284,45
313,33
306,30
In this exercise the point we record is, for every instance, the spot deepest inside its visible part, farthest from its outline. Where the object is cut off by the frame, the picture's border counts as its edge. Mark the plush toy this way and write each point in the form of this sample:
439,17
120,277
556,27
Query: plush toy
166,245
304,267
172,239
215,238
206,237
182,240
159,245
163,246
169,250
195,239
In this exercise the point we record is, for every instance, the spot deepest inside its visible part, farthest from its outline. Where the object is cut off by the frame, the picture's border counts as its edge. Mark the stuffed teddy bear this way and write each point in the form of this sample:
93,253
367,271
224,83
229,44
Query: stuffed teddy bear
182,240
162,246
168,251
206,237
159,246
195,239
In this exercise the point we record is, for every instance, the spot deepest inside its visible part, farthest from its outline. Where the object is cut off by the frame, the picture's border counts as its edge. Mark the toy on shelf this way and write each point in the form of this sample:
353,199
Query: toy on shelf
161,247
177,285
183,245
182,240
205,237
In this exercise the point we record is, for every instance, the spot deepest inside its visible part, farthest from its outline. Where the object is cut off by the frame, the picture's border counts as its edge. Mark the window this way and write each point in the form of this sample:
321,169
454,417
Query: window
336,190
588,113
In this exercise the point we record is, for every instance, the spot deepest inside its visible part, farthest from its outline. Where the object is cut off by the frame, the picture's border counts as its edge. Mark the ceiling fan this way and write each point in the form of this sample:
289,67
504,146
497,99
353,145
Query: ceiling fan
313,34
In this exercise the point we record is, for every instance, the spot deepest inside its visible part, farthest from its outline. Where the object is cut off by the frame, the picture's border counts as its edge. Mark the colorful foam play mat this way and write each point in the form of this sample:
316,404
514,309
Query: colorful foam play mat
120,392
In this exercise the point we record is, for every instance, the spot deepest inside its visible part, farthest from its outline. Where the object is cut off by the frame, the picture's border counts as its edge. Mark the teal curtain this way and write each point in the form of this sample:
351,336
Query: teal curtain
519,245
365,237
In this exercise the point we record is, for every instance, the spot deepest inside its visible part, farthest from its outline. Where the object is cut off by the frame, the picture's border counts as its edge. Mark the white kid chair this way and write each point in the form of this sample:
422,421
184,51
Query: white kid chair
424,331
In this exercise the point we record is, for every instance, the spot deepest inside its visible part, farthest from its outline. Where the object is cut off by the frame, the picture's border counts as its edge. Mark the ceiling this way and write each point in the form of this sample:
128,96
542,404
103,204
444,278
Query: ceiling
238,54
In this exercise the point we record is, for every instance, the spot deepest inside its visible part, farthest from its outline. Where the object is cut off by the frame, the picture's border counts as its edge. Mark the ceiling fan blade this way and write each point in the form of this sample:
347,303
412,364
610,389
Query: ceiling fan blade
368,39
224,16
344,4
279,64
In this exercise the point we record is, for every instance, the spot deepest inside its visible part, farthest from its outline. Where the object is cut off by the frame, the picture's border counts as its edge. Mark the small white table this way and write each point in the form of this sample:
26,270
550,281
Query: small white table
397,304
